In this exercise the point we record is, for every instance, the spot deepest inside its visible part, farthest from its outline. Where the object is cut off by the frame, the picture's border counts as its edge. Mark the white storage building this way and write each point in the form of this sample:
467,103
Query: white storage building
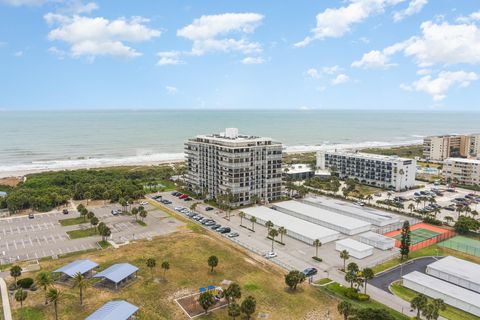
325,218
457,271
296,228
379,241
374,216
355,249
451,294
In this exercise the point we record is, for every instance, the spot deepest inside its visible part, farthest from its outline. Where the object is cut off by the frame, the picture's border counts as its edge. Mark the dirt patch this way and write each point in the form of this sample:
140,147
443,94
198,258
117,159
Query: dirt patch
250,261
11,181
192,307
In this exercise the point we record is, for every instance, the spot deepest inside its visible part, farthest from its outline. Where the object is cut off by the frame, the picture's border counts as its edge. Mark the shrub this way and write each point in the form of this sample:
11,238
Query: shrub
351,293
363,297
12,287
25,283
317,259
432,220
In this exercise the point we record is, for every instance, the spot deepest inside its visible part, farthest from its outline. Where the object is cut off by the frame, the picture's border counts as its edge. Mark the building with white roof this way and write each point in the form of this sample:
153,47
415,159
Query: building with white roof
325,218
355,249
298,171
379,241
451,294
374,216
461,272
243,165
372,169
296,228
465,171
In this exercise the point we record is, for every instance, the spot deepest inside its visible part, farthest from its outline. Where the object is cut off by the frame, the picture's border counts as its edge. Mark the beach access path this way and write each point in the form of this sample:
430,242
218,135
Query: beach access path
7,312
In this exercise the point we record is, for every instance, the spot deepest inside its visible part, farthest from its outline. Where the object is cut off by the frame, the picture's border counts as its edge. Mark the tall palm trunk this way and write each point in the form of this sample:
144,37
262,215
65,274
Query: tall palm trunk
56,310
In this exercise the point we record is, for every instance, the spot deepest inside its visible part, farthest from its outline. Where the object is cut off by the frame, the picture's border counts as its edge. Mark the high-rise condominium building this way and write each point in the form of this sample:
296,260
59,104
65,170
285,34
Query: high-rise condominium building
377,170
465,171
245,166
439,148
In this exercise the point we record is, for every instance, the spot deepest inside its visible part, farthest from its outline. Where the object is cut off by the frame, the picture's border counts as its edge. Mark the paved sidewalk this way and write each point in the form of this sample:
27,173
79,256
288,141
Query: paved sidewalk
7,313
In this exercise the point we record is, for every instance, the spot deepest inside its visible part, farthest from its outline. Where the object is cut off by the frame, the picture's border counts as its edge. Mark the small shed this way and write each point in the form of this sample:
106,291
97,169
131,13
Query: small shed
118,274
114,310
377,240
82,266
355,248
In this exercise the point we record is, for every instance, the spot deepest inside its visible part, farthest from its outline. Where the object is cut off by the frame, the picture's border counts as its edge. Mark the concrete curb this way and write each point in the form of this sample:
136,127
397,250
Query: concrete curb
7,313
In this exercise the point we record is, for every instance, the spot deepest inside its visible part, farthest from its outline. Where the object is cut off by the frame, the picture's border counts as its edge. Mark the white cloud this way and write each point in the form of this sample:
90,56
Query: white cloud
341,78
171,90
210,33
169,58
313,73
414,6
423,72
253,60
99,36
60,54
336,22
471,17
444,43
331,69
438,87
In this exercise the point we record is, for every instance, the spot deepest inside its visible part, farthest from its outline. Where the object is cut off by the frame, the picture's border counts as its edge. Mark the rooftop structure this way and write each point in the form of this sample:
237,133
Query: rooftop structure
118,273
296,228
457,271
374,216
372,169
114,310
379,241
82,266
451,294
240,165
465,171
299,171
355,249
325,218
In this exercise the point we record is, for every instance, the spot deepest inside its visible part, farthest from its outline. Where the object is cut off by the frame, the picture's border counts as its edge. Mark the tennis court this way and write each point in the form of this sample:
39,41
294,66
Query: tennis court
419,235
463,244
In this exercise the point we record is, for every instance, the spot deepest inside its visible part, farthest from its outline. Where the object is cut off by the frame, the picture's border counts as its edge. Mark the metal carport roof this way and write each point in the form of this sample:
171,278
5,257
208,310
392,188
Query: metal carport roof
114,310
117,272
82,266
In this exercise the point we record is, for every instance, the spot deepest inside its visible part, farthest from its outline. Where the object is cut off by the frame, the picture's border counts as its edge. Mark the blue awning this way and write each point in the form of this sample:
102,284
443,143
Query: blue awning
114,310
82,266
117,272
202,289
211,287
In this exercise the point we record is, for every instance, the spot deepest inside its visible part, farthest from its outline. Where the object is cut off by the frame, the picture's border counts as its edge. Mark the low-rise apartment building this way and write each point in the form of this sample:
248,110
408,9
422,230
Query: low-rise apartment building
439,148
376,170
242,165
465,171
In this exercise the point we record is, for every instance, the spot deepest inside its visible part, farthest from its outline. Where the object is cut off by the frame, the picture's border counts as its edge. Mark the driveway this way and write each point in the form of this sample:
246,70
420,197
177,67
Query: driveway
383,280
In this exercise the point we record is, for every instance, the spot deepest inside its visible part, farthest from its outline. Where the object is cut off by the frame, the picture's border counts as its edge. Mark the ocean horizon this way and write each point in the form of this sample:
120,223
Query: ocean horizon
54,140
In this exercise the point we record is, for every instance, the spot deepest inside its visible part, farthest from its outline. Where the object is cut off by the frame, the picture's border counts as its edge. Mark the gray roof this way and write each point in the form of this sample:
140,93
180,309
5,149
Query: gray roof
117,272
82,266
114,310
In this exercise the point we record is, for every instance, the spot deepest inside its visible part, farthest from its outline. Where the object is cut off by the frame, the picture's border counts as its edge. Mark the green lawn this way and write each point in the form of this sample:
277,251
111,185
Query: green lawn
28,313
104,244
75,234
323,281
450,313
141,223
72,221
337,289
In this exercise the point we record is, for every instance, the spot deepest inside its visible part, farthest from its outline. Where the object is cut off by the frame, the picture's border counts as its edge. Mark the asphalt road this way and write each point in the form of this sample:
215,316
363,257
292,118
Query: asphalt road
383,280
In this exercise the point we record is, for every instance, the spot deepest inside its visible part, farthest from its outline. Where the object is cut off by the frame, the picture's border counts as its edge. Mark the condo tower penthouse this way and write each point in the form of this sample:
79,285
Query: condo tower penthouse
244,166
381,171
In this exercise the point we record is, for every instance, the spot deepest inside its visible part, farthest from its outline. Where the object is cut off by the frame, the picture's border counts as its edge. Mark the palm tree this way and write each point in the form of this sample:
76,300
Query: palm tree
90,215
80,282
418,201
436,211
94,221
143,214
369,198
20,296
282,231
212,262
345,256
411,207
44,279
368,274
401,173
449,219
15,272
241,215
345,308
317,243
419,303
165,266
272,234
253,220
53,295
135,212
268,225
151,263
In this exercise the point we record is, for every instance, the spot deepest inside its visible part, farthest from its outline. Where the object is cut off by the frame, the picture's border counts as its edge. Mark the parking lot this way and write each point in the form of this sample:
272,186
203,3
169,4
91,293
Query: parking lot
22,238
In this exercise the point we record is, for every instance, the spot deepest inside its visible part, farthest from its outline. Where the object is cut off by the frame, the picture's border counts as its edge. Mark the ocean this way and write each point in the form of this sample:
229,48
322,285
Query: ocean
50,140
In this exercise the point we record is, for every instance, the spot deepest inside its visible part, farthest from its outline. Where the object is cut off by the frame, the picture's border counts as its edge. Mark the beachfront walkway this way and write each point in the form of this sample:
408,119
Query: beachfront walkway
7,313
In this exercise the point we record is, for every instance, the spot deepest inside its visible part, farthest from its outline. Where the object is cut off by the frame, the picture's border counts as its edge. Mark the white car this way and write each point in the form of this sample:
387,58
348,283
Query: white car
178,208
143,203
270,255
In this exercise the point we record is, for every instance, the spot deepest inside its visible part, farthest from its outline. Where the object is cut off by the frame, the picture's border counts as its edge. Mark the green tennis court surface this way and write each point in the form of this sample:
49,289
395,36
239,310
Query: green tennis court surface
463,244
419,235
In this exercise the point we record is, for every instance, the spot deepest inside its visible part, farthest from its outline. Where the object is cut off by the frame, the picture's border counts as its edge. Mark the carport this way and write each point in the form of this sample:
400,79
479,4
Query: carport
114,310
82,266
118,275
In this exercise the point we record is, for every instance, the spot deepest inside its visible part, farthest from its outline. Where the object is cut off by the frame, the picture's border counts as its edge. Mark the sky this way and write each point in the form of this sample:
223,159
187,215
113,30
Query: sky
251,54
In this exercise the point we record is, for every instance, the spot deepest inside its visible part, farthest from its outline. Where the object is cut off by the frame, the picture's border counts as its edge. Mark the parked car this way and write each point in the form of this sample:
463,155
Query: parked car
359,203
208,209
165,201
309,272
187,199
143,203
65,211
215,227
233,235
183,196
175,193
210,223
377,194
31,216
224,230
178,208
270,255
115,212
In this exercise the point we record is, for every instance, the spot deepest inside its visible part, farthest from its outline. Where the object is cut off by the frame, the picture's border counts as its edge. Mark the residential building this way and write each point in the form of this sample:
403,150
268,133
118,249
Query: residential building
300,171
439,148
376,170
240,165
465,171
